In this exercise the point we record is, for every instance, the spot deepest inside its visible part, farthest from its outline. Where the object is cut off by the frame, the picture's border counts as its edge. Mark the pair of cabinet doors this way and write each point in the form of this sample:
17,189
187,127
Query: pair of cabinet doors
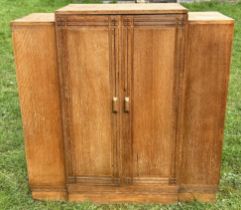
120,80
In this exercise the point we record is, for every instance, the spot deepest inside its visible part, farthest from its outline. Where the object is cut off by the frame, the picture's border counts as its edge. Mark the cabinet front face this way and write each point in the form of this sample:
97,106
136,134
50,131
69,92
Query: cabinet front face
152,78
135,60
88,77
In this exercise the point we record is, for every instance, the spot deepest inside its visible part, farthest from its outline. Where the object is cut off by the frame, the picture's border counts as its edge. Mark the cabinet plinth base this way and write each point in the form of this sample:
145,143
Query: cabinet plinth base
134,194
129,198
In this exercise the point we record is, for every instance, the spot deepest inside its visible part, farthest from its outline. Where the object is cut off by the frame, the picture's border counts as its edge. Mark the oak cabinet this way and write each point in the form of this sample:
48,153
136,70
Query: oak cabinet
123,103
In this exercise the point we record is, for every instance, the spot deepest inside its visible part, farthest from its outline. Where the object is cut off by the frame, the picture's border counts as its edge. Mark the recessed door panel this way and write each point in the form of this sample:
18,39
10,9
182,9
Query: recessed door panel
154,113
89,84
88,63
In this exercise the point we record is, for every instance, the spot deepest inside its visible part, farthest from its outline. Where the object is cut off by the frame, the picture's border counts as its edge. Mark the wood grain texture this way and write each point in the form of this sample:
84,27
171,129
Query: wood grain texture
126,198
38,86
88,86
149,80
88,68
208,18
129,8
35,19
153,101
207,67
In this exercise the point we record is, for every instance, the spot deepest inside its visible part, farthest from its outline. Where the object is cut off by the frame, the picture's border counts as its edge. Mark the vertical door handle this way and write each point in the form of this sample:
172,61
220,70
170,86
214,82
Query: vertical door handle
115,104
127,104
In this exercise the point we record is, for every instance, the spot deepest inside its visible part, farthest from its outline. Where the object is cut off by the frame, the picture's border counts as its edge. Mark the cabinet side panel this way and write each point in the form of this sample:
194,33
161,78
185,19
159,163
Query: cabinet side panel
207,72
36,67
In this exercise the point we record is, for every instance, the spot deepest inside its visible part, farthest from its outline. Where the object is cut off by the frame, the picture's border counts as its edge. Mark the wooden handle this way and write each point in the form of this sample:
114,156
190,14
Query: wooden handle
115,104
127,104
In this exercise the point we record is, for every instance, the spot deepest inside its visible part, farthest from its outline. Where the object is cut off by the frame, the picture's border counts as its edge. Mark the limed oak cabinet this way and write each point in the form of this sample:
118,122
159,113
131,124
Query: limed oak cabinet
123,102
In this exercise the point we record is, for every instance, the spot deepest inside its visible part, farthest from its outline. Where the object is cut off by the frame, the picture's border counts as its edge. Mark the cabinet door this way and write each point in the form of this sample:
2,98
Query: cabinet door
87,51
151,71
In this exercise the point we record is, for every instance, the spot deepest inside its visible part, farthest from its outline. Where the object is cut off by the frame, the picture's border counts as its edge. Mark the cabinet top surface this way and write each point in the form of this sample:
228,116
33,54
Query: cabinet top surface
35,18
208,17
130,8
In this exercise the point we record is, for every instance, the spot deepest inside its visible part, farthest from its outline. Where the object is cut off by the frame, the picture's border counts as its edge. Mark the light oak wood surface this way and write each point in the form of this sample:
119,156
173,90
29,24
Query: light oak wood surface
206,74
127,8
36,19
153,101
37,76
123,103
208,18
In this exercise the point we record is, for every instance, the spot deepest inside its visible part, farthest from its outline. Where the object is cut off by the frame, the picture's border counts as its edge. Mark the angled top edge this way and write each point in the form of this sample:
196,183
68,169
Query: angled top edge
35,19
208,17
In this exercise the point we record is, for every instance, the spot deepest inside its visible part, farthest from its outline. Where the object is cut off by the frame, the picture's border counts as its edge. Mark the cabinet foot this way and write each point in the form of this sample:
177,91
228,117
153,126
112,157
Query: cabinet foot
202,197
50,195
